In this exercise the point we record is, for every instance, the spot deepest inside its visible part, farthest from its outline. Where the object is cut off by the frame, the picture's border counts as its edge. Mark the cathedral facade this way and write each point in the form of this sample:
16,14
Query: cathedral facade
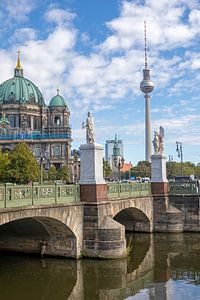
24,116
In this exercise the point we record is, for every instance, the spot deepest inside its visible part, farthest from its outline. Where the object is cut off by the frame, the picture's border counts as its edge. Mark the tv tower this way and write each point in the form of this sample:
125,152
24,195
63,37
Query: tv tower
146,87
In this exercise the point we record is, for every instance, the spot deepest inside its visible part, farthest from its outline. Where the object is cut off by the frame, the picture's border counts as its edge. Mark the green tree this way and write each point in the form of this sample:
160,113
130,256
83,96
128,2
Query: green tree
4,162
23,167
174,169
197,171
64,174
107,171
142,169
52,173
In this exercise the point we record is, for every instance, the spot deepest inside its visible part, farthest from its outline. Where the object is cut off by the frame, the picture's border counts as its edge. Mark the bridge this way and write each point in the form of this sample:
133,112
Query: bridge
53,218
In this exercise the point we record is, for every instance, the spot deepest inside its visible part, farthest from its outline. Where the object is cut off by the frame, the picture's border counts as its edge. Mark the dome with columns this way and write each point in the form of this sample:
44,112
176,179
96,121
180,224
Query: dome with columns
58,101
19,90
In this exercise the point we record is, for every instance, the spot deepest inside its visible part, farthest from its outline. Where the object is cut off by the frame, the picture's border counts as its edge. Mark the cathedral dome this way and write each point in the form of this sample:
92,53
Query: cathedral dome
20,90
57,100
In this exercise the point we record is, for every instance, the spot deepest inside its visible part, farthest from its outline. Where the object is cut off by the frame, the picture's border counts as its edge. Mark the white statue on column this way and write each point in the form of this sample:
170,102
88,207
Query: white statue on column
158,141
89,125
91,154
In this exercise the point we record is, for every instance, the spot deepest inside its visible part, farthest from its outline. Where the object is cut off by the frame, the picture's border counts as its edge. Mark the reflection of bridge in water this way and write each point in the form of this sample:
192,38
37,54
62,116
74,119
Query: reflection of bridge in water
155,258
153,261
77,280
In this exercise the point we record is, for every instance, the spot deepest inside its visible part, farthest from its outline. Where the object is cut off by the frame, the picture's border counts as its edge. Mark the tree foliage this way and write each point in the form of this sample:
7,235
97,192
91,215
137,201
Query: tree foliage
142,169
63,174
188,168
4,162
107,171
22,166
52,173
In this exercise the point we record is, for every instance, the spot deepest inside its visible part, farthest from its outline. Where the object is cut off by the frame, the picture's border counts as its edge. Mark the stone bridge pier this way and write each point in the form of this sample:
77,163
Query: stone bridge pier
102,236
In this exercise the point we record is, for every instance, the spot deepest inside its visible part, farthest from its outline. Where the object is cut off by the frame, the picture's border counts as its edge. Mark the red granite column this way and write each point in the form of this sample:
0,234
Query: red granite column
159,182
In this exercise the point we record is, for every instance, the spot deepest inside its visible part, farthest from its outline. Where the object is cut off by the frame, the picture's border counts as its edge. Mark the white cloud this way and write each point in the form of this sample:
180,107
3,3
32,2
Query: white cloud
45,62
194,17
166,21
23,35
16,10
59,16
85,37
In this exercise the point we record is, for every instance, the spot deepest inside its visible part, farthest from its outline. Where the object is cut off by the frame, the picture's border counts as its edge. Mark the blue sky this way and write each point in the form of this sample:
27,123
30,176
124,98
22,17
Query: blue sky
92,50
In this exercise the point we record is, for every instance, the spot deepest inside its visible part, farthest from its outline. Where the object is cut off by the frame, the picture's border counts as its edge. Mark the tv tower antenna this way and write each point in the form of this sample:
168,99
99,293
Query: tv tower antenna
147,87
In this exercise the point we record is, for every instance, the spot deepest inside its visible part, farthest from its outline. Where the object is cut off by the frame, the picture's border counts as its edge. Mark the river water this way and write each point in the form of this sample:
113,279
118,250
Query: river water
160,266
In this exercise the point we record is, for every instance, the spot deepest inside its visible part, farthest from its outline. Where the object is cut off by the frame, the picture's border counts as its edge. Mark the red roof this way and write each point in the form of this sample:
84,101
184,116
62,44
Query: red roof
126,167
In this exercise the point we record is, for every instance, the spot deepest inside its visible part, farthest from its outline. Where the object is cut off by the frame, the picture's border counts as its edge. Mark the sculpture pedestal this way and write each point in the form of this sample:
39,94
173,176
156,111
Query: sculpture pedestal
159,182
102,236
93,187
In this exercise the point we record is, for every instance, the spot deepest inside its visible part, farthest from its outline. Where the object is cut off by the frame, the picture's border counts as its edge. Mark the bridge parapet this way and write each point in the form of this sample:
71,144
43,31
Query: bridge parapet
185,188
25,195
33,195
127,190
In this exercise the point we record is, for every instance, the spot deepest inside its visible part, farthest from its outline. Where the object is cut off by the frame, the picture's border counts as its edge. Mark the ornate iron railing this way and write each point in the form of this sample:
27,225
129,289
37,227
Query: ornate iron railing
126,190
24,195
185,188
12,195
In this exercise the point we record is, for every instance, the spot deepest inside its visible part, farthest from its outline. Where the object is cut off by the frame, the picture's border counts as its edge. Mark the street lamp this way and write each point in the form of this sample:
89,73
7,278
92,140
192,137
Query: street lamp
41,166
75,168
179,150
43,160
119,163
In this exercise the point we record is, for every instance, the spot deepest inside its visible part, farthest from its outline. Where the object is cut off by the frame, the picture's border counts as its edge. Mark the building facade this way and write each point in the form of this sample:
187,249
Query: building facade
109,149
24,116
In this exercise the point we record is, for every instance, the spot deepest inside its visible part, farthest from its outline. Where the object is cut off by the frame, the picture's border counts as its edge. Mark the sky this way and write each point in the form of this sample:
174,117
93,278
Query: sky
93,51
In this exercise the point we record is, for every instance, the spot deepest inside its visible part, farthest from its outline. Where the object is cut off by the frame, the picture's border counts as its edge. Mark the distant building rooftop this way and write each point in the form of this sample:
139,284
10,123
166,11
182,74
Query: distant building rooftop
127,167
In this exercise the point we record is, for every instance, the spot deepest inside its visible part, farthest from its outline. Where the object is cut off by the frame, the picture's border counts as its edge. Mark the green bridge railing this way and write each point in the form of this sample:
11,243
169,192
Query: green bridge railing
124,190
12,195
185,188
24,195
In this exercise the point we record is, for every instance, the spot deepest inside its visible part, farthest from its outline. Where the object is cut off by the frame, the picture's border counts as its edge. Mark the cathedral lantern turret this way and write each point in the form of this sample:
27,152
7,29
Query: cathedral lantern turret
59,114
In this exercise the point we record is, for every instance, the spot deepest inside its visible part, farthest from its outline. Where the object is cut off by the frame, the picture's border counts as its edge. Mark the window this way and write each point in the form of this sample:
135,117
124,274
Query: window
57,120
12,121
17,121
57,150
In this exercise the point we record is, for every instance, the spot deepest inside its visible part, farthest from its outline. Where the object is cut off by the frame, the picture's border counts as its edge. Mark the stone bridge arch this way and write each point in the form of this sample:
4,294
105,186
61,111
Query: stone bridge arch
135,214
59,229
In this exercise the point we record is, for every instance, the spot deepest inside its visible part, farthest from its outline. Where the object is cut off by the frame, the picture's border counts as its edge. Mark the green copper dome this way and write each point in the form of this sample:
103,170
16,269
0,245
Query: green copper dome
19,89
57,101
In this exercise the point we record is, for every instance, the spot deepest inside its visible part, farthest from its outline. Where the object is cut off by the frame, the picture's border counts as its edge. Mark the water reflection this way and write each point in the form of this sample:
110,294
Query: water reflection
31,278
159,267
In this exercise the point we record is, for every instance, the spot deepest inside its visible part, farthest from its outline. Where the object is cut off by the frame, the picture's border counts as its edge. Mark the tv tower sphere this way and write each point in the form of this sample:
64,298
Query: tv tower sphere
146,84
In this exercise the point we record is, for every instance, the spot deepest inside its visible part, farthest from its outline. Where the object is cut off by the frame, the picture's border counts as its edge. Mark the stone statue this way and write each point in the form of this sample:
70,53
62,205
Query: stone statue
89,125
4,123
158,141
24,121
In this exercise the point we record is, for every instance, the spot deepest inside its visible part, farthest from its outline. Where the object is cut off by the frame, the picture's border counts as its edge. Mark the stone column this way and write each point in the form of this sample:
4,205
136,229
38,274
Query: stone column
102,236
93,187
159,182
